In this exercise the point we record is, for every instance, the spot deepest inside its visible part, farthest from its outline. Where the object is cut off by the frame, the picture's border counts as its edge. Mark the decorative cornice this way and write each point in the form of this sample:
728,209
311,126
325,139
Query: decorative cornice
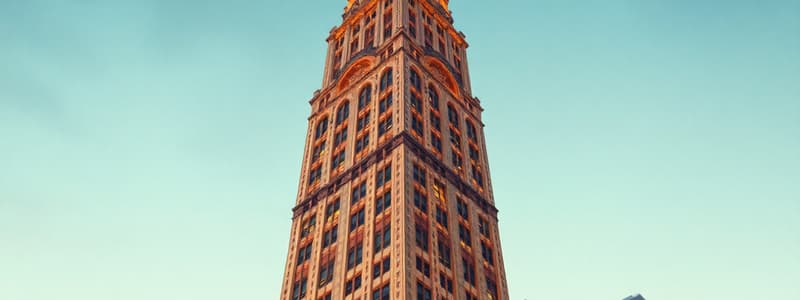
384,151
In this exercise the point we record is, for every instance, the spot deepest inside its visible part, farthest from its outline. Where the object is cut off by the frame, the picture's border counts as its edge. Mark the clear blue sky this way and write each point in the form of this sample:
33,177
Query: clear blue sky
151,149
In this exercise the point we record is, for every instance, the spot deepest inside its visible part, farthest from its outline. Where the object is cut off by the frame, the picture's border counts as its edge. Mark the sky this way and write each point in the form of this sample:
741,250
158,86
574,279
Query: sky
151,149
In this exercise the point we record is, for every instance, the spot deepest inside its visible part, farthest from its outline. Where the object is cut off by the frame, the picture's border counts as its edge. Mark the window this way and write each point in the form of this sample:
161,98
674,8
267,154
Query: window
330,237
332,210
338,159
322,128
354,256
358,193
384,126
423,267
487,253
476,174
419,174
386,80
383,176
444,252
458,161
340,137
362,122
455,138
357,220
471,132
473,153
308,227
381,293
304,254
370,37
436,142
414,79
423,292
471,296
381,268
383,239
412,24
364,97
319,150
483,227
434,95
352,285
420,201
469,271
328,297
421,236
462,208
315,175
383,203
299,289
326,274
441,217
354,47
343,112
428,37
416,103
446,283
491,288
387,25
465,235
385,104
436,122
417,125
452,115
362,143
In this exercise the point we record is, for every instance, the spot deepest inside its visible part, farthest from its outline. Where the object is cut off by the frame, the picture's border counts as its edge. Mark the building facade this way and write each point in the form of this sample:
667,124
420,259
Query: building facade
395,199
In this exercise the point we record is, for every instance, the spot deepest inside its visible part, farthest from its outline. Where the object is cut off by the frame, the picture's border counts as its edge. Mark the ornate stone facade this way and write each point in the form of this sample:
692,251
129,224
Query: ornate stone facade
395,198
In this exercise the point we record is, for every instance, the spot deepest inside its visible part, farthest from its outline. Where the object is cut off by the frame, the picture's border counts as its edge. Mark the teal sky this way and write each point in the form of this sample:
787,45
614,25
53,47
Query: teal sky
151,149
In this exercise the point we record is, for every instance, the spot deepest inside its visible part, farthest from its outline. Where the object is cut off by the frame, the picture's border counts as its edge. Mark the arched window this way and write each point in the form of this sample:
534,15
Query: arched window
386,80
343,112
364,97
414,78
434,95
322,128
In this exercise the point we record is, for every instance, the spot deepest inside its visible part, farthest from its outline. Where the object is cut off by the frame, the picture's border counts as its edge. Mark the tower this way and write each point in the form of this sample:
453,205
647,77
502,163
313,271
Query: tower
395,199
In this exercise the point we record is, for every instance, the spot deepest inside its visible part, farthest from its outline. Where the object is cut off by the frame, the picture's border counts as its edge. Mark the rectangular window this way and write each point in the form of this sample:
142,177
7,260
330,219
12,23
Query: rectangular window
423,267
381,293
436,122
436,142
340,137
385,126
358,192
319,150
487,253
420,201
462,208
352,285
315,175
383,176
465,235
385,103
423,292
446,283
304,254
421,237
419,174
332,211
455,138
491,288
383,239
299,289
308,227
362,143
469,271
416,103
417,125
441,217
354,256
412,24
452,115
444,251
381,268
330,237
383,203
370,37
363,122
457,160
357,220
326,274
338,160
483,227
387,25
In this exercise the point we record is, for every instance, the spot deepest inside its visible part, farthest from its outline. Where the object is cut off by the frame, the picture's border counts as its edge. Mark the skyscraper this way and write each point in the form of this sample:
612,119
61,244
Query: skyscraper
395,199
